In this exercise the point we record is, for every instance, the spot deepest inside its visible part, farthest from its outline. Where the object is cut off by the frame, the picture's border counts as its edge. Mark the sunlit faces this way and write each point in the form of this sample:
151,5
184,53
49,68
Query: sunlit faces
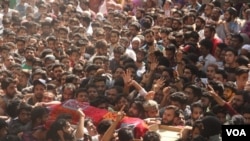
48,97
168,117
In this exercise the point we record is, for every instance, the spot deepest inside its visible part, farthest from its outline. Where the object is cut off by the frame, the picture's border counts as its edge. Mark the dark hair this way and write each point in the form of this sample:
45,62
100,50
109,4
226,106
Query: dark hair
6,82
80,90
179,97
38,112
196,105
125,134
230,49
207,43
221,72
151,136
241,70
103,126
196,90
56,126
211,28
194,70
231,85
140,108
70,86
242,60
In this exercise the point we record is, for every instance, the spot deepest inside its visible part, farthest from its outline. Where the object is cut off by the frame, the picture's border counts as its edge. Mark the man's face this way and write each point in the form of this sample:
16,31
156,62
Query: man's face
228,93
101,87
67,94
133,111
241,80
46,29
82,97
152,113
198,24
29,55
205,101
190,95
235,43
227,16
138,14
135,45
9,61
39,90
196,113
187,74
237,101
218,77
57,72
91,129
208,11
51,44
24,116
168,117
222,117
111,95
114,38
99,62
175,25
11,90
168,22
133,30
210,72
149,38
215,15
229,57
247,118
92,92
207,33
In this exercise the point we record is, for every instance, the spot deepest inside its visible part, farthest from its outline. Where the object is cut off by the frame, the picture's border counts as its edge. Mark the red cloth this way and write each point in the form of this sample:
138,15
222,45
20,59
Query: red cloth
96,114
215,41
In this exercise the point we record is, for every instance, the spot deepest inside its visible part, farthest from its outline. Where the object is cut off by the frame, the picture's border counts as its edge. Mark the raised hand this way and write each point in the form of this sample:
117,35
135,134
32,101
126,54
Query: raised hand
154,64
80,112
159,84
179,56
166,91
150,95
127,77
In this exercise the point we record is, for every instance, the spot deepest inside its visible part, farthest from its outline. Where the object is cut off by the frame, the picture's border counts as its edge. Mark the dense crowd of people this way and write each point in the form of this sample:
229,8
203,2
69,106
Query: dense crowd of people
181,63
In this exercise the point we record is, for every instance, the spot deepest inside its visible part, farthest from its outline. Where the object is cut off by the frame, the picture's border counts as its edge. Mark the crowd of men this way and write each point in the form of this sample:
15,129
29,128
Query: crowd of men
170,62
